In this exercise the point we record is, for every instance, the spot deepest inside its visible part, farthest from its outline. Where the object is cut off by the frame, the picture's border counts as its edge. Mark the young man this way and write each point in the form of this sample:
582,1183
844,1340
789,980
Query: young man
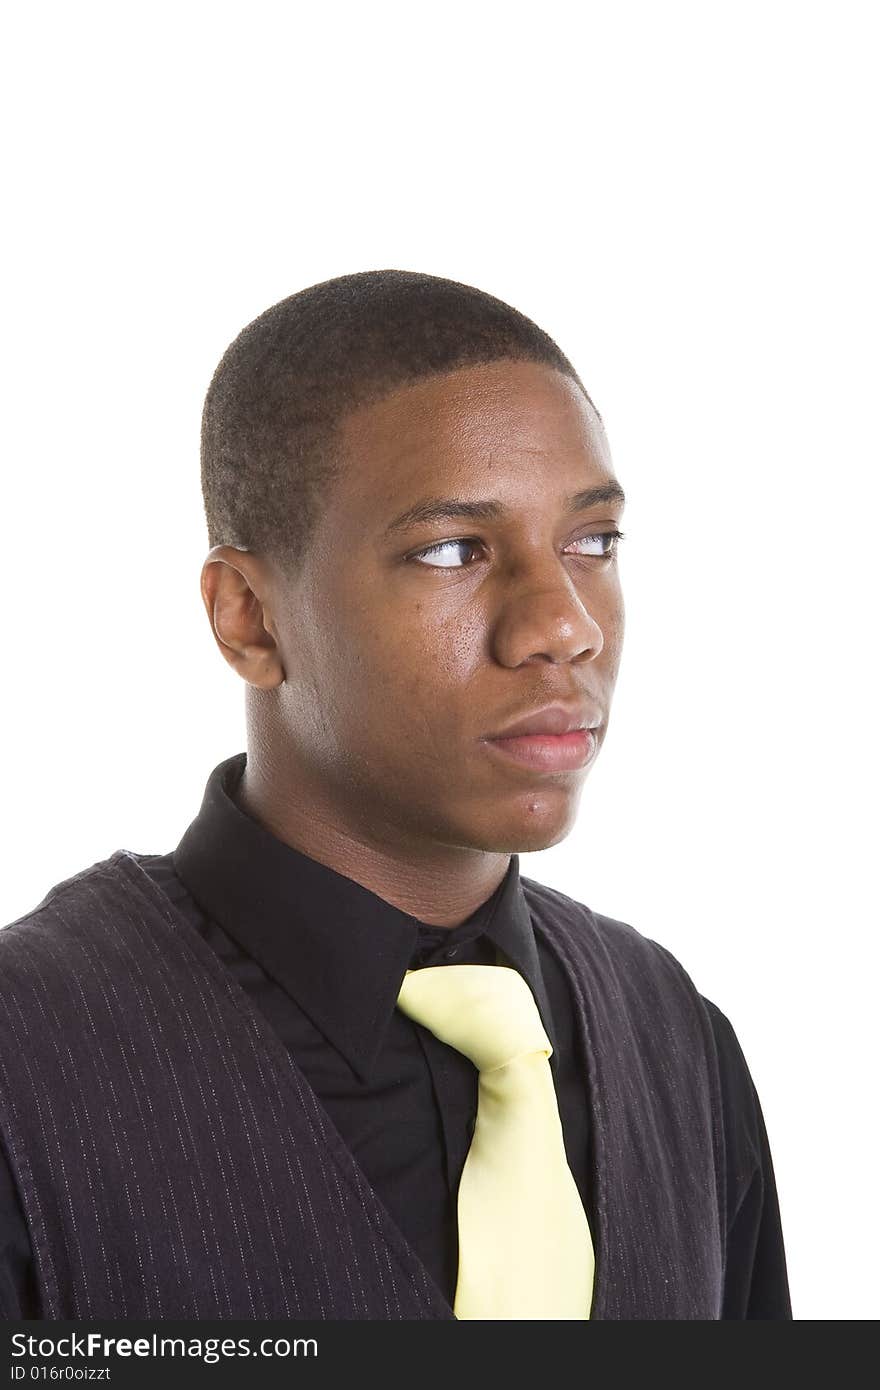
298,1067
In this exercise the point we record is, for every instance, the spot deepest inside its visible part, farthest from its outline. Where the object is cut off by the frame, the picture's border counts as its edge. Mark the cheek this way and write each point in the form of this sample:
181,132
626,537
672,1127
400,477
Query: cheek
417,643
407,669
613,633
608,610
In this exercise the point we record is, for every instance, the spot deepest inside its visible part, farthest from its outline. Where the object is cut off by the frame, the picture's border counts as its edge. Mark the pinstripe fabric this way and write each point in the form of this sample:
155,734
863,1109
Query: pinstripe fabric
173,1161
659,1182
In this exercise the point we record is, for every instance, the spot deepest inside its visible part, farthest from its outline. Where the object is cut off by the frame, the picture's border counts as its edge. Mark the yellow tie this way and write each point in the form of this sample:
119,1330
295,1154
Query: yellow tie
525,1249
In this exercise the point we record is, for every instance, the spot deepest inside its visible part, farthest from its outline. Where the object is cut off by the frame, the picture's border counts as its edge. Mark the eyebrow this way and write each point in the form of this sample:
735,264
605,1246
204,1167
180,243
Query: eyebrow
450,508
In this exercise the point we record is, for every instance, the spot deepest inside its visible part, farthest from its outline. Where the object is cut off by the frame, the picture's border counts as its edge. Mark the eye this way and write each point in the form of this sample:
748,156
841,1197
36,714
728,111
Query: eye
602,544
442,555
447,554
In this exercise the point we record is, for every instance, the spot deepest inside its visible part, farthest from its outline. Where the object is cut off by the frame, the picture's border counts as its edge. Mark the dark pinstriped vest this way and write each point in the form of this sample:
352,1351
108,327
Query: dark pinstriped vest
173,1162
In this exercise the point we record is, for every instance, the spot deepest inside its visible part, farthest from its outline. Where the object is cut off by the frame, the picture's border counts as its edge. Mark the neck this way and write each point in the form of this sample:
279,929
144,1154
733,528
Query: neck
439,884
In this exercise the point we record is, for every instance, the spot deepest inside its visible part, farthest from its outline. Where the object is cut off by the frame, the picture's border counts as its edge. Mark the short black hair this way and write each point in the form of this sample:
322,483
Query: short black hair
285,385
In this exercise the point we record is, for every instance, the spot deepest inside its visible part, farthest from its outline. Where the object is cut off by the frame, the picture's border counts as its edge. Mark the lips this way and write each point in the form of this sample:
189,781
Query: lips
549,720
557,738
547,752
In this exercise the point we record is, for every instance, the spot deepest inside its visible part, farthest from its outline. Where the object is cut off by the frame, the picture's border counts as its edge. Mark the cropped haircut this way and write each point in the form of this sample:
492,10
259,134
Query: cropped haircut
284,387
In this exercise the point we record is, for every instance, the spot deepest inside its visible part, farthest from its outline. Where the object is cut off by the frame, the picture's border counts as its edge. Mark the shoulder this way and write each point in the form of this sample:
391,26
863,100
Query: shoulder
742,1111
726,1040
736,1079
556,910
626,974
640,963
623,950
82,900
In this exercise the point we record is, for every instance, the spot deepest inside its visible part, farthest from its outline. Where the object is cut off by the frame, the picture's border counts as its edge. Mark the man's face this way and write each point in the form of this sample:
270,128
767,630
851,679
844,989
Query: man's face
406,646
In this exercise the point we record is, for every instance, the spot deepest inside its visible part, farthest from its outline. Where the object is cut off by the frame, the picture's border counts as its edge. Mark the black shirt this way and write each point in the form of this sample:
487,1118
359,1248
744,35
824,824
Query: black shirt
323,957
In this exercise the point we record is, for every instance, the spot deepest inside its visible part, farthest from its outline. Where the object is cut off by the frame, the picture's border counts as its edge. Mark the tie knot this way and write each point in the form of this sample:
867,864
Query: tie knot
487,1012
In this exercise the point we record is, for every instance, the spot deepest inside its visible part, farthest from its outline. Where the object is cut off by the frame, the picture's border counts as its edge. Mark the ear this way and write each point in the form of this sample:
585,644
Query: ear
235,592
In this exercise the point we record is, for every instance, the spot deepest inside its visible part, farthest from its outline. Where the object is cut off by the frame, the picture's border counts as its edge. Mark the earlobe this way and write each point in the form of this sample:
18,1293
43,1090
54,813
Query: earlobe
260,667
258,664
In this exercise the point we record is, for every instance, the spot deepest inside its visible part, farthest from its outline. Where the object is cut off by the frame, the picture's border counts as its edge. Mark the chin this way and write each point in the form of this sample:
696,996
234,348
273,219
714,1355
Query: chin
536,821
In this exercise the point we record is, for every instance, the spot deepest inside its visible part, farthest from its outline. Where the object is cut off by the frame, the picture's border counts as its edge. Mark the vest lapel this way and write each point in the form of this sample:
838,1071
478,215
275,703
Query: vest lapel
651,1090
287,1080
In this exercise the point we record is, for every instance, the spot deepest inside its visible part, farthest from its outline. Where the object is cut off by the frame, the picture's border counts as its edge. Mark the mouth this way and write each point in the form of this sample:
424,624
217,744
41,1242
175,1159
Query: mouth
554,738
547,752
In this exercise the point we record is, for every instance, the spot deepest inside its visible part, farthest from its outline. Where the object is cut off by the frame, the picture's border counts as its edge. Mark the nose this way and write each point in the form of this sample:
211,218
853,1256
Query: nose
546,621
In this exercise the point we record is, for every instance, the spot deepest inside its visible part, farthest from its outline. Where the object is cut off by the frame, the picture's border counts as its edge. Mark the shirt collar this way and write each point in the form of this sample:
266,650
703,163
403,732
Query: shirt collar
334,946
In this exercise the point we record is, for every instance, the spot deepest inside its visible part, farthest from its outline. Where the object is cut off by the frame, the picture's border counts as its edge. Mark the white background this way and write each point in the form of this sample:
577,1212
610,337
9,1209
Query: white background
684,196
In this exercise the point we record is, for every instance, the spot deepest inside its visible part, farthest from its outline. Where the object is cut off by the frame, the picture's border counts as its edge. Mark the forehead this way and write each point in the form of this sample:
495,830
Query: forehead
495,424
